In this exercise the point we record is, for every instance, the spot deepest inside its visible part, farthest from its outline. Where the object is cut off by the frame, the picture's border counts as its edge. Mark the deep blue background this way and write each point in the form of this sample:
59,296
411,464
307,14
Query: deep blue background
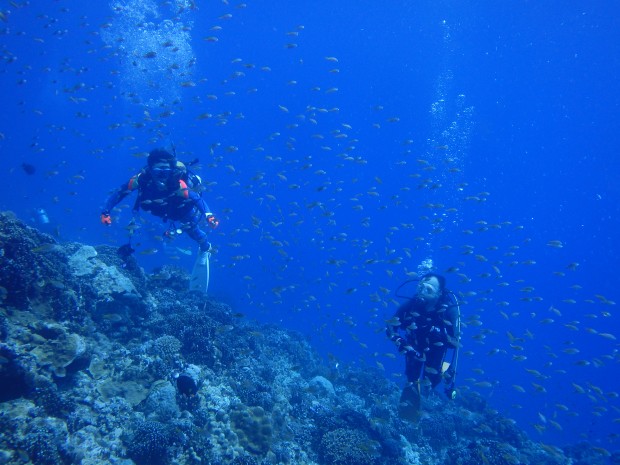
328,199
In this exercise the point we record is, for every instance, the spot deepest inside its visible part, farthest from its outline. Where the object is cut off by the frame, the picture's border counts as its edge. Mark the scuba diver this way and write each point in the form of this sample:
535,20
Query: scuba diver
430,324
165,189
41,219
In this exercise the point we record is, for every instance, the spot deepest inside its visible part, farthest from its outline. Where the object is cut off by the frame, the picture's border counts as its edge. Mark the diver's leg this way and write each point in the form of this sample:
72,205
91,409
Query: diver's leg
409,404
413,367
200,237
199,280
434,360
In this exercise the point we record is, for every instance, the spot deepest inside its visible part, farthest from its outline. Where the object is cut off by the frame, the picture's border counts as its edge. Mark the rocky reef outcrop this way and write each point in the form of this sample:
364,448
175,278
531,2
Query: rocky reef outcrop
101,363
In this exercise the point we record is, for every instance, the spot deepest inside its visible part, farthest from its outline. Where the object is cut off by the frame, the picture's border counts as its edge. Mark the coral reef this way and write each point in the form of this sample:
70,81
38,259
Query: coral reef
104,364
348,447
253,428
150,443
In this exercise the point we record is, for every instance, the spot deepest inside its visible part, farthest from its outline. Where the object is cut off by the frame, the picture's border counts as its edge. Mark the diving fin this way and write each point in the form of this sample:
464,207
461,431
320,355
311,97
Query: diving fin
409,404
125,251
199,281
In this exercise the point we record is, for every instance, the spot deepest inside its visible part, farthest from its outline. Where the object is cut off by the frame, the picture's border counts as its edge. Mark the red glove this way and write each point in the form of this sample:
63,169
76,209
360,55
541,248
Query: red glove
106,219
212,220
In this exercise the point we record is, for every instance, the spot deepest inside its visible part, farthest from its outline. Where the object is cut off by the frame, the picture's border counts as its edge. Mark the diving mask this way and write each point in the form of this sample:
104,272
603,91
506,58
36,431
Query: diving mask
160,174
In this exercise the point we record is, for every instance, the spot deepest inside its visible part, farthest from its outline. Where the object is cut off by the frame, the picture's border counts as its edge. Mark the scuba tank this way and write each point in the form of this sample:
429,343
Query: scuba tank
41,216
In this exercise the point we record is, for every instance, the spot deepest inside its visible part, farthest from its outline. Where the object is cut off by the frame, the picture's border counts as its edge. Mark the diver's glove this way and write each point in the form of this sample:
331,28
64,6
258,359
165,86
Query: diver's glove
439,333
407,349
106,219
212,220
402,345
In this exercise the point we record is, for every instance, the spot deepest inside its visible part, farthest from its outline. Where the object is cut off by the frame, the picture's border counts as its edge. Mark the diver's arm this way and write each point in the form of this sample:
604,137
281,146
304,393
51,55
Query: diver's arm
199,202
116,197
204,209
393,331
119,194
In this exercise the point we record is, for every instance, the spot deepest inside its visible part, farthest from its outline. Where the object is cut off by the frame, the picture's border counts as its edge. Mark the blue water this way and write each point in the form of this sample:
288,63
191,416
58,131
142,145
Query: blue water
344,143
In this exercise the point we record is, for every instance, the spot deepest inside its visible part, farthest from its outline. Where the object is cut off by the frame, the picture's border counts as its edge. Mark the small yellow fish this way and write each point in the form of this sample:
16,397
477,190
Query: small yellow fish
225,328
45,248
149,251
483,384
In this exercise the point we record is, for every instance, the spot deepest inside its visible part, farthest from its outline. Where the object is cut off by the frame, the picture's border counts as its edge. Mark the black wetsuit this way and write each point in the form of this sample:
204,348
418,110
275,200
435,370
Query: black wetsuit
176,203
429,333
